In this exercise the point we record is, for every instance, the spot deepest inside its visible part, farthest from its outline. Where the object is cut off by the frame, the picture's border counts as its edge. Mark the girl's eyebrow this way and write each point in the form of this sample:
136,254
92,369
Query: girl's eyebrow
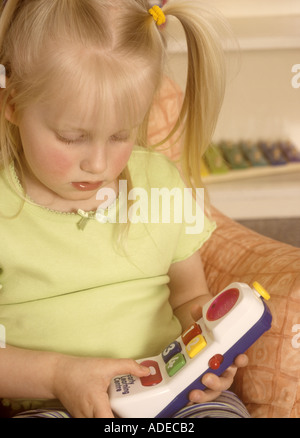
58,124
70,128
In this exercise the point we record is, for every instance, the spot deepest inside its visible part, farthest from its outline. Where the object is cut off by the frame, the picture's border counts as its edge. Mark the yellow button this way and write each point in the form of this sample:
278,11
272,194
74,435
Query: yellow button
195,346
258,287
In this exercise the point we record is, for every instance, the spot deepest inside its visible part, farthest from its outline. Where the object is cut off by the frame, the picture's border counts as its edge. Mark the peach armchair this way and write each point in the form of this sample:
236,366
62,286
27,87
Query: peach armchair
270,385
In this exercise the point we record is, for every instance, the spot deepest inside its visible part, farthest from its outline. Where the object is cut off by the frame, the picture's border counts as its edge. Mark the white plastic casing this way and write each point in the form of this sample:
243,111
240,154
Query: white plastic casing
130,399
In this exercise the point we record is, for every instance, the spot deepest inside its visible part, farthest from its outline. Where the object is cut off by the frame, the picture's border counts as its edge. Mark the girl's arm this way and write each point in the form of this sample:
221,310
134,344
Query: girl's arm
26,374
188,288
189,292
79,383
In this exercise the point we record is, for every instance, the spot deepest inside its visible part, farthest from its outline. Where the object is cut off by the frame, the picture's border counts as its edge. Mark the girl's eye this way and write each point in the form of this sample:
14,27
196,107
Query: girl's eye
120,138
69,140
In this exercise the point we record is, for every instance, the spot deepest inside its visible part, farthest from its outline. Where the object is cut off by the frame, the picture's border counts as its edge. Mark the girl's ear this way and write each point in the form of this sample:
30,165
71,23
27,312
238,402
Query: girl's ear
10,113
9,108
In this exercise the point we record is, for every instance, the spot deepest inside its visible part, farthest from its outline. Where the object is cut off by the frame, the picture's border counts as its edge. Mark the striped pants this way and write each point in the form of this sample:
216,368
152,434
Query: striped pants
227,405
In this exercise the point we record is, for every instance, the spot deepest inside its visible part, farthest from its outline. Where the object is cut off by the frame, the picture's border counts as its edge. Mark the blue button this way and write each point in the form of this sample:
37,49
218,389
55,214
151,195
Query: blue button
170,351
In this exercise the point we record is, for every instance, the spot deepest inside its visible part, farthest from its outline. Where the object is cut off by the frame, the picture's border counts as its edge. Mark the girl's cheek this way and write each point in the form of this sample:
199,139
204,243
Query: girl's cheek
58,162
123,158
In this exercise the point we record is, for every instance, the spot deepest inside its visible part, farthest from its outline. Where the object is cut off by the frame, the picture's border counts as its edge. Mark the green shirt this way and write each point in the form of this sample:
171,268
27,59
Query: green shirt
76,291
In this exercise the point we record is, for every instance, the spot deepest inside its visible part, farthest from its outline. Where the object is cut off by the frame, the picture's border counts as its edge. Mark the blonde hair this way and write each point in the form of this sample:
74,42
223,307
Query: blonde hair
205,30
115,48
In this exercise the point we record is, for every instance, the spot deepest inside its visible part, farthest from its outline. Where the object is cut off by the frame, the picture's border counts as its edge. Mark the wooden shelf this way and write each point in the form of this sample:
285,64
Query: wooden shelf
263,197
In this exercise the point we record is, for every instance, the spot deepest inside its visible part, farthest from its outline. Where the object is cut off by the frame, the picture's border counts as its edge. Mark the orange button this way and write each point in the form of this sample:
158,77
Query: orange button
190,333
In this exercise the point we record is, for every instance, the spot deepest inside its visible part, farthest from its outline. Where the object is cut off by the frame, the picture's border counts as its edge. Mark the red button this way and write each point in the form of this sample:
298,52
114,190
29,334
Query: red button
215,362
191,333
154,377
222,304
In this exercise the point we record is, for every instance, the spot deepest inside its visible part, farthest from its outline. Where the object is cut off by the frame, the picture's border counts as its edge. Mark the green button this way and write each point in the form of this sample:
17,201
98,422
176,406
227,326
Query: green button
175,364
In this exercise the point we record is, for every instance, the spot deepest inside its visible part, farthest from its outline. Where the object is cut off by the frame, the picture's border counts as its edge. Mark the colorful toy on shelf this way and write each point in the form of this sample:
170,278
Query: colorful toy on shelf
273,152
204,168
253,154
290,151
233,155
228,160
215,160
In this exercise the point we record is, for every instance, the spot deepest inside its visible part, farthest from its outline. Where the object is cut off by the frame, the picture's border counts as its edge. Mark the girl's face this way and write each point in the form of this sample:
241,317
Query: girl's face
68,158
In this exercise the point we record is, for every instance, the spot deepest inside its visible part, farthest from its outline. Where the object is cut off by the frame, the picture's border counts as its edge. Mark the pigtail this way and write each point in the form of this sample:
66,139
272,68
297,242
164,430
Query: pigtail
8,132
7,12
205,82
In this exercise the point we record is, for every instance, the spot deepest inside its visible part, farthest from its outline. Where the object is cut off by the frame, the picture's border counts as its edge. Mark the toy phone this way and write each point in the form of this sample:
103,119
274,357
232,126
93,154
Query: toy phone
232,321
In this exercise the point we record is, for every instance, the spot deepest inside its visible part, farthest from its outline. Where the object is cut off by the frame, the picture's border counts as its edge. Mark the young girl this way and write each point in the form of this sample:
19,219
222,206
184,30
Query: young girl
83,295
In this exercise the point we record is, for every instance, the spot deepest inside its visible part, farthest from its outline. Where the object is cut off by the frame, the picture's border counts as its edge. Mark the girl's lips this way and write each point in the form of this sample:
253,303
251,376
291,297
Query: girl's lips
85,186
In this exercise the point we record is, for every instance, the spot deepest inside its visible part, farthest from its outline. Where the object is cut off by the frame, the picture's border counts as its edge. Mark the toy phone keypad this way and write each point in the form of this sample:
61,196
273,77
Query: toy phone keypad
231,323
173,355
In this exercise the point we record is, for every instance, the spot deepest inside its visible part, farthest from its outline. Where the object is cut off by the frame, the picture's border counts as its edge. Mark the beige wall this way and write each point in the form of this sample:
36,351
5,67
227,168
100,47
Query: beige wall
260,100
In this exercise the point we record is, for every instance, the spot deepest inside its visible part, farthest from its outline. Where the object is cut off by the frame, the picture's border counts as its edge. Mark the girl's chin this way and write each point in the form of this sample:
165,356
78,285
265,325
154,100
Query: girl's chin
81,200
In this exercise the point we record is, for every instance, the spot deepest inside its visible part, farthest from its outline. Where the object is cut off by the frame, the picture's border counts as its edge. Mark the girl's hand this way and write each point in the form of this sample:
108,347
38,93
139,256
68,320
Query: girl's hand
215,385
81,384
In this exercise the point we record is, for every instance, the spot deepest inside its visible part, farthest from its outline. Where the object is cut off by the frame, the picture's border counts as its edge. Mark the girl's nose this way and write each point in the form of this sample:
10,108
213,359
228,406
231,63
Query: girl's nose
95,160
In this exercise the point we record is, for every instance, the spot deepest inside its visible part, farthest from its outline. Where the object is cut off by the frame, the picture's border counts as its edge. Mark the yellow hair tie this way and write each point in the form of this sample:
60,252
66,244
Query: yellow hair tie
157,15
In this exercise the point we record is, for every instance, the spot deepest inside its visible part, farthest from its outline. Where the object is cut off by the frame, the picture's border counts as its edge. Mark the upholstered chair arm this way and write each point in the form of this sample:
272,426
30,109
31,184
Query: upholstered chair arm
269,386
